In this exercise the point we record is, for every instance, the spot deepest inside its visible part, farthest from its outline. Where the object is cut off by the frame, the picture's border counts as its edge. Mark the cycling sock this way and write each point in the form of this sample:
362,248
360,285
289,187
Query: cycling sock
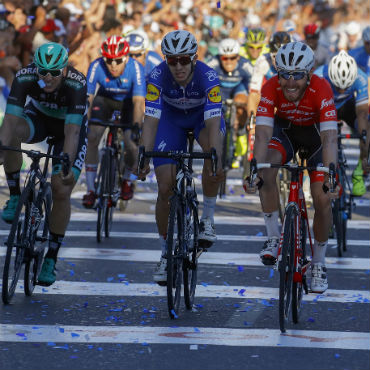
319,252
91,170
55,241
162,241
272,224
13,180
209,204
127,174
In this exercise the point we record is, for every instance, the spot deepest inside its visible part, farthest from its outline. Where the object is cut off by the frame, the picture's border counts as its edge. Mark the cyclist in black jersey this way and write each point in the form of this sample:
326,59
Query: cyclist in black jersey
47,98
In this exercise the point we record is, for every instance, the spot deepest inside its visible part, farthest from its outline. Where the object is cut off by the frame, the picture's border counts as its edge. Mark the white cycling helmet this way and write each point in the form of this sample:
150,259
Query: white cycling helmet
353,28
295,56
228,47
138,40
342,70
366,34
179,42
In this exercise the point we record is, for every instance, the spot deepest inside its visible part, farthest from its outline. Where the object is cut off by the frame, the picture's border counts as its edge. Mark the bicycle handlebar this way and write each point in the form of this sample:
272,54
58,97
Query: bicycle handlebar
177,156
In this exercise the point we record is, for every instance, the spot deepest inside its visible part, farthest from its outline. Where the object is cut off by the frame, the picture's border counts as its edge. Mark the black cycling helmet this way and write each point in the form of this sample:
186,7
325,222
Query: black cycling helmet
277,40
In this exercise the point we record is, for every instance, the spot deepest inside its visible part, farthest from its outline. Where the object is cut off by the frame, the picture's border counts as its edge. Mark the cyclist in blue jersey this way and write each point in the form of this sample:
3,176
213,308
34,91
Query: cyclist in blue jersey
139,44
47,98
232,70
362,53
351,98
114,82
182,94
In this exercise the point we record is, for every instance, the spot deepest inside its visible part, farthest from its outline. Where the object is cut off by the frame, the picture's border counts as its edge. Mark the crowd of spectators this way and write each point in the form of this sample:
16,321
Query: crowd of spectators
82,25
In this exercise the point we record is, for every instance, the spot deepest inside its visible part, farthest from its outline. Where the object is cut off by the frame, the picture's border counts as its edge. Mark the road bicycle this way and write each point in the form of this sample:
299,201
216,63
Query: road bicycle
228,145
292,262
342,207
109,178
30,228
183,248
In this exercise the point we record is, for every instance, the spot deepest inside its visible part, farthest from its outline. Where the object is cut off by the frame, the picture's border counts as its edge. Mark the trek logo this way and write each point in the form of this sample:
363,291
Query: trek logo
326,103
331,113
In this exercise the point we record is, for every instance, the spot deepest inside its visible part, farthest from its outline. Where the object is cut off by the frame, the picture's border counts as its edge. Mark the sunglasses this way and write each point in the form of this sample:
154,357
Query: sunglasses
137,55
110,61
224,58
183,60
296,75
53,72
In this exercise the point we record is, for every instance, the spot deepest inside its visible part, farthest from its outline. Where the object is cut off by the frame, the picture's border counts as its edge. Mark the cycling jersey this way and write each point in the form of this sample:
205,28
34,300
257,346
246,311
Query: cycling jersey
181,108
359,88
47,113
130,83
232,83
152,59
244,53
263,70
362,58
316,105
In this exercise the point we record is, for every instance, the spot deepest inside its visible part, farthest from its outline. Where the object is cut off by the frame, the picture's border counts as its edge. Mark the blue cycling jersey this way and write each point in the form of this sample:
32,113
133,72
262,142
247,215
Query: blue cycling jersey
130,83
235,82
152,59
362,58
358,90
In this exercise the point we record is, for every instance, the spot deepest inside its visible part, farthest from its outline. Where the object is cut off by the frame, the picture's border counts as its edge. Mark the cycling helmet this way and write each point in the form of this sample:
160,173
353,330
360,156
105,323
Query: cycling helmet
51,56
138,40
228,47
179,42
114,47
255,36
278,39
342,70
353,28
311,30
366,34
295,56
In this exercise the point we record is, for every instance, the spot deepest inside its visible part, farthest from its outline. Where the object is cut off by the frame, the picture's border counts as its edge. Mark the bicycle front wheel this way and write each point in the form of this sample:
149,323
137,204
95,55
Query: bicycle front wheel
16,247
40,234
111,203
101,191
190,264
286,266
174,257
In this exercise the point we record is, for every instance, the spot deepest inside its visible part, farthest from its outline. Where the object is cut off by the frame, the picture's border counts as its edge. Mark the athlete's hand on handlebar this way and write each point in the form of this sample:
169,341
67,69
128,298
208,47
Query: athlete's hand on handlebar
66,179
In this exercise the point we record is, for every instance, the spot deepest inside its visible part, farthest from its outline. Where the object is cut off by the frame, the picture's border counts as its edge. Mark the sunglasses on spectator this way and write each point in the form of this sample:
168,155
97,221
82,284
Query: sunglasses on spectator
53,72
117,60
183,60
224,58
296,75
255,46
137,55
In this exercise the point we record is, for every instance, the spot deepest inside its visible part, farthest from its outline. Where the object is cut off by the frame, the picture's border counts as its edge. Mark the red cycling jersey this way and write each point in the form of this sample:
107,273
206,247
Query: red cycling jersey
316,106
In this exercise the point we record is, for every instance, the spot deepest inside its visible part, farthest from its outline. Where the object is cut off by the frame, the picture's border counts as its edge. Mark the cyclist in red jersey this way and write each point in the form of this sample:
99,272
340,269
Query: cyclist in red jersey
296,110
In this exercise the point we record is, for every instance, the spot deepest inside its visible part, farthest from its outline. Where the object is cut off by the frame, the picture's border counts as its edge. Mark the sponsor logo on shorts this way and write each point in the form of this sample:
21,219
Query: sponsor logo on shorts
215,95
152,93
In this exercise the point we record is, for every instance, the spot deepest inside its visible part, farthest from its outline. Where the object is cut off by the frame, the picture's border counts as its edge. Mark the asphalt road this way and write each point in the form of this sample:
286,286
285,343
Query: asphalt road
104,311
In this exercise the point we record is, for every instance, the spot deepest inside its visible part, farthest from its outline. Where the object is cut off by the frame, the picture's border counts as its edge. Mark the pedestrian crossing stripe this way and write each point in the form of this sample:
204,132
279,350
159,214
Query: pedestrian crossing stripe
145,335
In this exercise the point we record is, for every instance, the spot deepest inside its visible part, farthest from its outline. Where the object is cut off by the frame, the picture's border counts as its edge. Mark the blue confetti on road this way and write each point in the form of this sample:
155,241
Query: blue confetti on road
61,330
271,273
174,314
196,330
240,268
241,292
73,335
110,279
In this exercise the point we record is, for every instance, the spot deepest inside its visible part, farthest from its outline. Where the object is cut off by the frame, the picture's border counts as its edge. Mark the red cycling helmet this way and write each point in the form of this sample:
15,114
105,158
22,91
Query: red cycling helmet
311,29
114,47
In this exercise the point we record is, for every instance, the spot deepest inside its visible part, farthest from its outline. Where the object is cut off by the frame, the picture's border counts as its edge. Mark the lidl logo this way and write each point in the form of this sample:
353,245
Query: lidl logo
215,95
152,93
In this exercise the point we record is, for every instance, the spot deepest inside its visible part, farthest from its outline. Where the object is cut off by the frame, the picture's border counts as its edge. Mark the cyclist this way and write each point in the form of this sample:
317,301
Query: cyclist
296,110
362,53
232,70
114,82
182,94
47,98
139,44
254,46
322,52
264,68
351,98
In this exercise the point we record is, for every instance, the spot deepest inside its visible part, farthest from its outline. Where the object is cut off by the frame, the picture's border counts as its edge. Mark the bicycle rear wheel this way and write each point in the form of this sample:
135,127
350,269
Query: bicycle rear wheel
111,203
16,246
338,222
174,257
40,234
190,264
286,266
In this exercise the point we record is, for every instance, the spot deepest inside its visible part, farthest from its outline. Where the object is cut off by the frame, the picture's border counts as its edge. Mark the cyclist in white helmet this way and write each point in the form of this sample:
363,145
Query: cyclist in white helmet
234,75
139,50
351,98
182,94
291,115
